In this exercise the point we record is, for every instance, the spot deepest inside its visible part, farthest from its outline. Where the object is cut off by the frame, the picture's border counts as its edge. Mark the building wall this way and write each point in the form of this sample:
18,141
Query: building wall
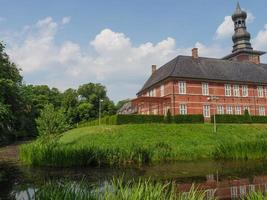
195,100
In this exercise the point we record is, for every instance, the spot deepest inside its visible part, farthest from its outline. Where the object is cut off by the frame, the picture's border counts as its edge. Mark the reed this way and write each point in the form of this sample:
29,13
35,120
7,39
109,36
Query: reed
255,149
116,189
255,196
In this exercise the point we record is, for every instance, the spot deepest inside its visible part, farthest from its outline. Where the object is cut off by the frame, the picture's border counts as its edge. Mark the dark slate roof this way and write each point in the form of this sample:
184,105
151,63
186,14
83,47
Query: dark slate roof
209,69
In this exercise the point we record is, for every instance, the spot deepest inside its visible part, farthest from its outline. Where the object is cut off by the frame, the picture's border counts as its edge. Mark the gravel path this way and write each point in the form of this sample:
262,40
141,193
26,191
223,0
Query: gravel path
10,153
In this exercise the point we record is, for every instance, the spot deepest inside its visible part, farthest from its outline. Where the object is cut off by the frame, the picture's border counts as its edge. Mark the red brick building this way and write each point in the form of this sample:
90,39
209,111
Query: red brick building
198,85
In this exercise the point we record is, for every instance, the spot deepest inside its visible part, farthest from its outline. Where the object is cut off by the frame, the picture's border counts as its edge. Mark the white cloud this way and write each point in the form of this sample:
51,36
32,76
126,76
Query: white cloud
115,61
65,20
260,42
226,28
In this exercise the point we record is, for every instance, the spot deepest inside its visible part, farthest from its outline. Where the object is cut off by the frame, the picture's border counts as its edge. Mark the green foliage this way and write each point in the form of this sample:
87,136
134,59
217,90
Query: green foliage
259,119
144,119
168,118
247,116
143,144
252,149
85,111
51,121
179,119
235,119
116,189
121,103
255,196
11,106
139,119
92,93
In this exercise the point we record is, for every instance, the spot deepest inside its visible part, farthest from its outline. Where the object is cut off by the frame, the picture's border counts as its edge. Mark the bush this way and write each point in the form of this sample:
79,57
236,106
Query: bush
168,118
188,119
51,121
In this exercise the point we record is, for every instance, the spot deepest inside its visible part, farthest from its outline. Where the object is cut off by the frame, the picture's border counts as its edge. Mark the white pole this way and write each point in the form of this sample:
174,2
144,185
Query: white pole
99,112
214,121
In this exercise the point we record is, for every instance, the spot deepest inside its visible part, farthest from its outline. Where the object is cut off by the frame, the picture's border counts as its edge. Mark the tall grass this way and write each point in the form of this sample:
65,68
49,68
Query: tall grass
116,189
256,196
42,154
242,150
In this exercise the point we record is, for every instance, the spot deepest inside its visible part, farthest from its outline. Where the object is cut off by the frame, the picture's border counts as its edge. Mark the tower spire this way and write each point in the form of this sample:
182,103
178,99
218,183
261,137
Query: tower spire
238,8
241,37
242,49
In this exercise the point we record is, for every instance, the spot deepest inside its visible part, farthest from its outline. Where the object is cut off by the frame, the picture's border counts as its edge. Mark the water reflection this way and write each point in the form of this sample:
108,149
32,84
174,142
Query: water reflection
221,179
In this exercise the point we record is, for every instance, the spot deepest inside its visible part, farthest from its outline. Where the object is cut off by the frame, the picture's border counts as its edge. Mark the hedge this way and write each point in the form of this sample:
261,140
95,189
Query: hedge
143,119
259,119
241,119
188,119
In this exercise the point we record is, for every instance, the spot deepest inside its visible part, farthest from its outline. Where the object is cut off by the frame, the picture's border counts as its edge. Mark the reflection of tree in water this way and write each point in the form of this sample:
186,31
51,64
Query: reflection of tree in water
8,176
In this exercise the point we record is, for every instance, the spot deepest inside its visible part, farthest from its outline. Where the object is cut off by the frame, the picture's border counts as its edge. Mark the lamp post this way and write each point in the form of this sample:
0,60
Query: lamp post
99,114
214,98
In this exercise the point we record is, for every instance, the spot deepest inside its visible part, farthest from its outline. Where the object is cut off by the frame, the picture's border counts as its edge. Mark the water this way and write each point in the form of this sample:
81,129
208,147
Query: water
224,179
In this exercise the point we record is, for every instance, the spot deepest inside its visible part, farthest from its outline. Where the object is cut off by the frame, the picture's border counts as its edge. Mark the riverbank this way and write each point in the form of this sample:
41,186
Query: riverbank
148,143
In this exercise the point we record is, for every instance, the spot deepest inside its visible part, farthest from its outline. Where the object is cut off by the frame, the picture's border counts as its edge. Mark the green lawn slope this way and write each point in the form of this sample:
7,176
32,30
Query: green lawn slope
149,143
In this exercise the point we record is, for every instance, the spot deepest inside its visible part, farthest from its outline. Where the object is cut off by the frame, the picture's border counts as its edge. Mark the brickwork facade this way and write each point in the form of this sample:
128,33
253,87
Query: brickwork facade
193,97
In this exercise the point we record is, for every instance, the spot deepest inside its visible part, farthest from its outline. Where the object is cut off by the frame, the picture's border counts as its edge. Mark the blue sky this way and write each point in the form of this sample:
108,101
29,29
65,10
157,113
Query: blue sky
67,43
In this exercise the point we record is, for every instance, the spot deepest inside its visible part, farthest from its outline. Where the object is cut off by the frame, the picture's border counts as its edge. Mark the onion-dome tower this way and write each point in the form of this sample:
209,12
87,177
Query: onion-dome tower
241,37
242,49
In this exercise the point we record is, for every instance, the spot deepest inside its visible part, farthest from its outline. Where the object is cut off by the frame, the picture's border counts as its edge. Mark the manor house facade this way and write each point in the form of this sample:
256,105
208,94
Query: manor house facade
198,85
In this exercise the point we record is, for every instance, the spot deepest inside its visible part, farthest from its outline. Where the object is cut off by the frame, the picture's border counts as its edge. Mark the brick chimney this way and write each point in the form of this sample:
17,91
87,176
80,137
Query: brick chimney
153,68
195,52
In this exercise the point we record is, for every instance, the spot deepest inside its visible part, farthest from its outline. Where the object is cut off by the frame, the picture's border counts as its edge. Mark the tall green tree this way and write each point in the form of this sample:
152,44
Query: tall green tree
11,104
92,93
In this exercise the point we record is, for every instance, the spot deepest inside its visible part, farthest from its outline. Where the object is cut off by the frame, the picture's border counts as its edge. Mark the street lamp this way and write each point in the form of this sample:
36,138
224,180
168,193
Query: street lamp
99,114
214,98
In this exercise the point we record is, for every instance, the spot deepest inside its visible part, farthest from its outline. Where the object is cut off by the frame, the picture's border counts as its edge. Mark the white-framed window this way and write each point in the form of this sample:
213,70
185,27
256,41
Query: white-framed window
162,90
251,188
205,89
265,91
260,91
261,110
236,90
244,90
220,110
206,111
227,90
182,87
234,192
229,110
246,108
238,110
183,109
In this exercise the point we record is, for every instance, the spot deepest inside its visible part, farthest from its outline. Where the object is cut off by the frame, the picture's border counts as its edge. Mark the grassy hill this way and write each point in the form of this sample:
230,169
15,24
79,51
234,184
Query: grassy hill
149,143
